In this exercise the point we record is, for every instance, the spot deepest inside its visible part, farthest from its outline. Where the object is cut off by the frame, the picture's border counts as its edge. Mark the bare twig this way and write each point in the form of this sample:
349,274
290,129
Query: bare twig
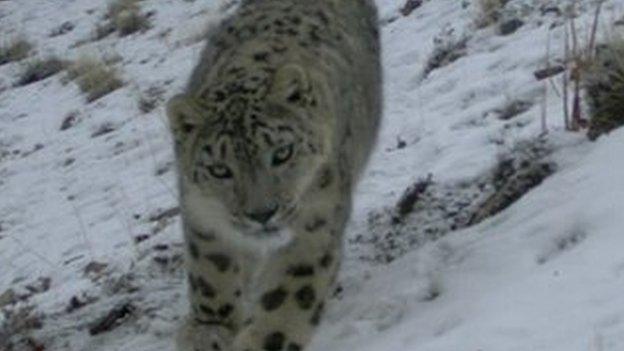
124,220
575,74
576,106
544,109
83,228
551,81
566,80
32,251
592,35
545,96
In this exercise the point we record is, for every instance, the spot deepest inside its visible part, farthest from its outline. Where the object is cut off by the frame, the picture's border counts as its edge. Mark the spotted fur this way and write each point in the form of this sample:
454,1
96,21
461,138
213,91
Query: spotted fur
271,134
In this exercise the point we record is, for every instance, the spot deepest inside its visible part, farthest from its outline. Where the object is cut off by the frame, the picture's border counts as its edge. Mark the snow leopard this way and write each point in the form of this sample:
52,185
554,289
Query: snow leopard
271,134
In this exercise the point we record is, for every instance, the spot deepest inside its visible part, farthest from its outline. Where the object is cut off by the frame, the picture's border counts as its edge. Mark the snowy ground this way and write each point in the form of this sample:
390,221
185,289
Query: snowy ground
88,222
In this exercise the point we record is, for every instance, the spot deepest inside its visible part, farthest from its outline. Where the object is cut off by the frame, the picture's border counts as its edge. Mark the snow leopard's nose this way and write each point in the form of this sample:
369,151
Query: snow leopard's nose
262,216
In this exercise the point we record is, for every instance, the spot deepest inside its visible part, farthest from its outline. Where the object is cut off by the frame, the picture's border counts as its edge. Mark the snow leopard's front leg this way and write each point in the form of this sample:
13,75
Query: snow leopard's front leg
292,290
215,290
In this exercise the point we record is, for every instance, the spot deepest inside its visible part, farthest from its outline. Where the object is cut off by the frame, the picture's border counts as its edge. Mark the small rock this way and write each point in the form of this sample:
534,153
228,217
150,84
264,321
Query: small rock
40,286
163,261
141,238
169,213
69,121
511,188
509,27
162,169
513,109
69,161
161,247
76,303
64,28
410,6
103,129
401,144
113,319
411,196
94,269
548,72
8,298
550,9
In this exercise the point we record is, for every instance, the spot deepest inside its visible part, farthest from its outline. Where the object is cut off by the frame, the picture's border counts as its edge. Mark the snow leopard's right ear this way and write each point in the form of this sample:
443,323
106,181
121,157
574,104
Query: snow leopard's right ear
185,115
290,85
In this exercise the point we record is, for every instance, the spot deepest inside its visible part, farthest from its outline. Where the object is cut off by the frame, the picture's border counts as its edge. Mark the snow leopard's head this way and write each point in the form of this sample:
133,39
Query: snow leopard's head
254,148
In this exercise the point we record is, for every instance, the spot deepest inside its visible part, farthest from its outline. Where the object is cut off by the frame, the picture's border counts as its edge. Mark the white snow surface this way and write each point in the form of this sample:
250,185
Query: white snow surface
547,273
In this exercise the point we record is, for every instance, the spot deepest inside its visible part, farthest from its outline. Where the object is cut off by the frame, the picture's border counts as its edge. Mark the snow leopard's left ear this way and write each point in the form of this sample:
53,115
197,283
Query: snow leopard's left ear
290,85
185,116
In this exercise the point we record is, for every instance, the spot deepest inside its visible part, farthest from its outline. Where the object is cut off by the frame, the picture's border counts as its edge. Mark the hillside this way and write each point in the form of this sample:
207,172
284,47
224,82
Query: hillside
481,224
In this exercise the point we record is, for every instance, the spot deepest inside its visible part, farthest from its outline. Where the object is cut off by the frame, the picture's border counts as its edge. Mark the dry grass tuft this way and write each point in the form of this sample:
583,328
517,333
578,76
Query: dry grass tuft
125,17
40,69
95,78
15,50
604,88
488,12
118,6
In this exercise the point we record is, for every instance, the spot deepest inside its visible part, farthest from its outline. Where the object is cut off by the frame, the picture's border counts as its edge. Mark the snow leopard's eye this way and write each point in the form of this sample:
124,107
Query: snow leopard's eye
220,171
282,155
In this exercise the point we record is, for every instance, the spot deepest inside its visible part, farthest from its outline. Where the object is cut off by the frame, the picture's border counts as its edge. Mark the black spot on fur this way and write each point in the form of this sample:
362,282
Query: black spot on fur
293,347
326,178
301,270
315,224
267,139
207,311
316,316
323,17
193,250
221,261
305,297
192,283
273,299
285,128
219,96
314,34
348,132
204,288
225,310
187,128
262,56
210,322
294,97
326,260
223,150
207,236
279,48
274,341
196,176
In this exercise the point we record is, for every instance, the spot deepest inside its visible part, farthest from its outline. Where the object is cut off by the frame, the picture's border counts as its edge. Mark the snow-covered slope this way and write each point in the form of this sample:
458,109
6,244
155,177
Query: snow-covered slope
89,227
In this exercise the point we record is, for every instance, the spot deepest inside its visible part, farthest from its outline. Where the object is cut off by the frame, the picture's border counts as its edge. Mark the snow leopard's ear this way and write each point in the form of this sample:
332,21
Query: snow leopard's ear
185,115
290,85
